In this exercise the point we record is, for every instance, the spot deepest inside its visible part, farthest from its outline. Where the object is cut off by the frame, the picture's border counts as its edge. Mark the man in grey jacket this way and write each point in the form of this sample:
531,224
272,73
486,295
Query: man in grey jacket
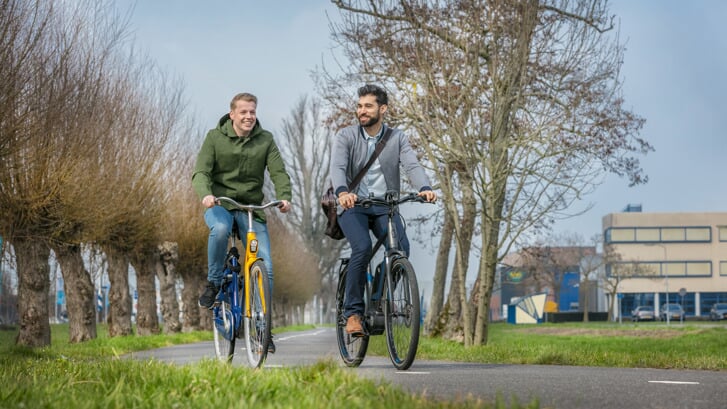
352,148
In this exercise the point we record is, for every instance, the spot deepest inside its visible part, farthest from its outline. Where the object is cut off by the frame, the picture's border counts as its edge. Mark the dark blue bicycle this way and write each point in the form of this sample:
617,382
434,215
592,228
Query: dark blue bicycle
391,297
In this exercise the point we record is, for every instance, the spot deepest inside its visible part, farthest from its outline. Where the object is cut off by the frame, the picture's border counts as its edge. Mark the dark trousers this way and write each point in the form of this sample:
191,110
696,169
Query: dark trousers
355,223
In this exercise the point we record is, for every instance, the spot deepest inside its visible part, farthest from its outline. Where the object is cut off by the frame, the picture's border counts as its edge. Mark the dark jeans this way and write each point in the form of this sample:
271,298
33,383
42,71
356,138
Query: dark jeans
355,223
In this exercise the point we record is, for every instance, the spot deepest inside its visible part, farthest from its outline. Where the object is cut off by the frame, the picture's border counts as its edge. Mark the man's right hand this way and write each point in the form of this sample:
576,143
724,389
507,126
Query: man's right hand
347,200
208,201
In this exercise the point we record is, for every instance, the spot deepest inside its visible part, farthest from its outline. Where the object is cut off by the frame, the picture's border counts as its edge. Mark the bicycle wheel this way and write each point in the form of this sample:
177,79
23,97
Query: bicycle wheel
224,327
258,323
402,314
352,349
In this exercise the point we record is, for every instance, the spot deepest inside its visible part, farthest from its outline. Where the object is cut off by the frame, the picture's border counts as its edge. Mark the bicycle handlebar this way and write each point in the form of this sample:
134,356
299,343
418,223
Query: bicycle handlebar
248,207
390,200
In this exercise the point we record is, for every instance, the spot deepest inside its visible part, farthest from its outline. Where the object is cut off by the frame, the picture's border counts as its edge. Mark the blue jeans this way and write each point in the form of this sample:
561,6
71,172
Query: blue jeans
355,223
219,220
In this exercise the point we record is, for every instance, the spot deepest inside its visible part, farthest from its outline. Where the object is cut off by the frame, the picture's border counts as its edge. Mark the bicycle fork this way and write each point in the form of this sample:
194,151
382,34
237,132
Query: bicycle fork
250,258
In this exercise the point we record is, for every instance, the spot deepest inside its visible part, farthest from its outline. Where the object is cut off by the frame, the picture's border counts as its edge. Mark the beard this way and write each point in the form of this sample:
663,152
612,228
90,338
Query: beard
370,122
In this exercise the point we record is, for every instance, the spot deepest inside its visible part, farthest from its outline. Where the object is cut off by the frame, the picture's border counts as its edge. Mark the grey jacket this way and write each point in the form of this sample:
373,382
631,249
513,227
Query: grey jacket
348,157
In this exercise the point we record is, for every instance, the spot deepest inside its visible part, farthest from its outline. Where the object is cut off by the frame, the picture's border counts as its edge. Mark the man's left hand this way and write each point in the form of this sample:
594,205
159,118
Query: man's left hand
284,207
430,195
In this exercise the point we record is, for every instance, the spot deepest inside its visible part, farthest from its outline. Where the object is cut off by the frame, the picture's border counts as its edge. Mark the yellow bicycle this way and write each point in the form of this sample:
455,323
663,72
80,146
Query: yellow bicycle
243,298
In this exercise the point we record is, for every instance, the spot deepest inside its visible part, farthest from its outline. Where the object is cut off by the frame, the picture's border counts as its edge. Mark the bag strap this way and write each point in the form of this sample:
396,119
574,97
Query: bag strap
377,151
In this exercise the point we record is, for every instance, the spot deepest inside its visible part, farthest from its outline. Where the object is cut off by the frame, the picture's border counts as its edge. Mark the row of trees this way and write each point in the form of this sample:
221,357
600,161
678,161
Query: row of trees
96,158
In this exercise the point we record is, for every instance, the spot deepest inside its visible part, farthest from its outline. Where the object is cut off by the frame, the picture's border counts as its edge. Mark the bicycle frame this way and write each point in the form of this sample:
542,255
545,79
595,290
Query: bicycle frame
250,257
391,254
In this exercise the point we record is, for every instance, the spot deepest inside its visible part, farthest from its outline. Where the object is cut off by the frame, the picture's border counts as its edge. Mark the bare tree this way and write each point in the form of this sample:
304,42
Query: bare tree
525,95
305,145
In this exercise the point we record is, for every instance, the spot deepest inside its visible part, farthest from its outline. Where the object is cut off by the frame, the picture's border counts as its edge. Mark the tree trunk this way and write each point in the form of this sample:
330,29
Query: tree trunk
194,281
147,322
507,95
585,290
167,275
483,291
80,294
440,278
119,320
33,286
460,319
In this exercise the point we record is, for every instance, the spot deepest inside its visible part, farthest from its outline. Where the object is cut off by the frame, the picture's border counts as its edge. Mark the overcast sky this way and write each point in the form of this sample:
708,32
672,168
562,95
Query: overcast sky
674,72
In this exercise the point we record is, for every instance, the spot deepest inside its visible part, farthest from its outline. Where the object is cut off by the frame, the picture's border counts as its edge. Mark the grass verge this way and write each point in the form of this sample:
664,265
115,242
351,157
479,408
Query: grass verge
92,375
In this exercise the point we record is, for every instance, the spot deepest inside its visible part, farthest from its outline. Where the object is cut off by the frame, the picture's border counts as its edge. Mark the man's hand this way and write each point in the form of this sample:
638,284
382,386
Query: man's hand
284,207
208,201
347,200
429,195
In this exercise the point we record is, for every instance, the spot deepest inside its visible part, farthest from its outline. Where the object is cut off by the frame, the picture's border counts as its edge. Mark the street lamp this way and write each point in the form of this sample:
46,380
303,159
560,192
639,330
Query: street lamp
666,280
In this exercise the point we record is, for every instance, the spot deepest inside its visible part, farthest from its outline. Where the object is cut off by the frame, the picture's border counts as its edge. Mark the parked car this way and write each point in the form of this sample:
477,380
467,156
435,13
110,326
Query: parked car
675,311
643,313
718,311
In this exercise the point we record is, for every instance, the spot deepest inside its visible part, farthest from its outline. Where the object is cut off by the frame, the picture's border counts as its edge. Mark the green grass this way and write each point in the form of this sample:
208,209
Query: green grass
652,345
93,374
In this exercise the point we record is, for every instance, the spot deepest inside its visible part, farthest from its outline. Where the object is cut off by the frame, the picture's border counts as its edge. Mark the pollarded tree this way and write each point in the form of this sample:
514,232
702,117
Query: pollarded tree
184,225
524,96
41,185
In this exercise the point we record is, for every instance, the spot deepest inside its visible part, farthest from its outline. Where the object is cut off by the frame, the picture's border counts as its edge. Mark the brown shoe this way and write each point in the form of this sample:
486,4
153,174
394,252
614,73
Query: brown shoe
354,327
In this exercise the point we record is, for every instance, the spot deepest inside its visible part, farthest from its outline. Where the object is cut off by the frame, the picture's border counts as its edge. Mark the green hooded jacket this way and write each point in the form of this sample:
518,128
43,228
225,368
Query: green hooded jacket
233,166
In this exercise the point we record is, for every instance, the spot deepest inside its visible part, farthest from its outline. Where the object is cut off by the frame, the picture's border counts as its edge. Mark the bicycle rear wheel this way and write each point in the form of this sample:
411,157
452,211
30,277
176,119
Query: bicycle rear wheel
352,349
402,315
259,322
224,331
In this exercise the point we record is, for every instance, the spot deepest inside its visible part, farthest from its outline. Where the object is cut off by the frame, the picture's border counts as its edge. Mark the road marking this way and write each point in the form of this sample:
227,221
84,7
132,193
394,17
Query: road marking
299,335
412,373
676,382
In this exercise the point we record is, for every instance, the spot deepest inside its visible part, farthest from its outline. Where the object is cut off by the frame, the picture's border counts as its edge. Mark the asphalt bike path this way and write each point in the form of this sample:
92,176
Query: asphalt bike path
561,387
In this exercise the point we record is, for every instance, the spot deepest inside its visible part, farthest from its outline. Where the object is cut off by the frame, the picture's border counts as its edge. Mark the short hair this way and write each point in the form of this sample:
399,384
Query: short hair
375,90
243,96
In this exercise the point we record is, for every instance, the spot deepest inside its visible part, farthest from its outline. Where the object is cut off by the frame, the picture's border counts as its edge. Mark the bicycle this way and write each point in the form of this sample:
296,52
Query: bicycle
254,288
391,296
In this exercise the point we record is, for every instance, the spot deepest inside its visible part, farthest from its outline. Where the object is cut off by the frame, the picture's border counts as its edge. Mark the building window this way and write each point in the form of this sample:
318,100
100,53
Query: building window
698,234
622,235
699,268
660,234
722,231
647,234
672,234
675,269
655,269
723,268
708,299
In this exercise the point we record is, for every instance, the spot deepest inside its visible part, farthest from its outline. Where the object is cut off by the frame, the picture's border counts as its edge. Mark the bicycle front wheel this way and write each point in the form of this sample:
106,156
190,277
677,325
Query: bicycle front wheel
402,314
259,320
352,349
224,331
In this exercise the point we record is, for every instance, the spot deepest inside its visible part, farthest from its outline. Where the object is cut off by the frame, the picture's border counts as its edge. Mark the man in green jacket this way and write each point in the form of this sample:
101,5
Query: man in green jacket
232,163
